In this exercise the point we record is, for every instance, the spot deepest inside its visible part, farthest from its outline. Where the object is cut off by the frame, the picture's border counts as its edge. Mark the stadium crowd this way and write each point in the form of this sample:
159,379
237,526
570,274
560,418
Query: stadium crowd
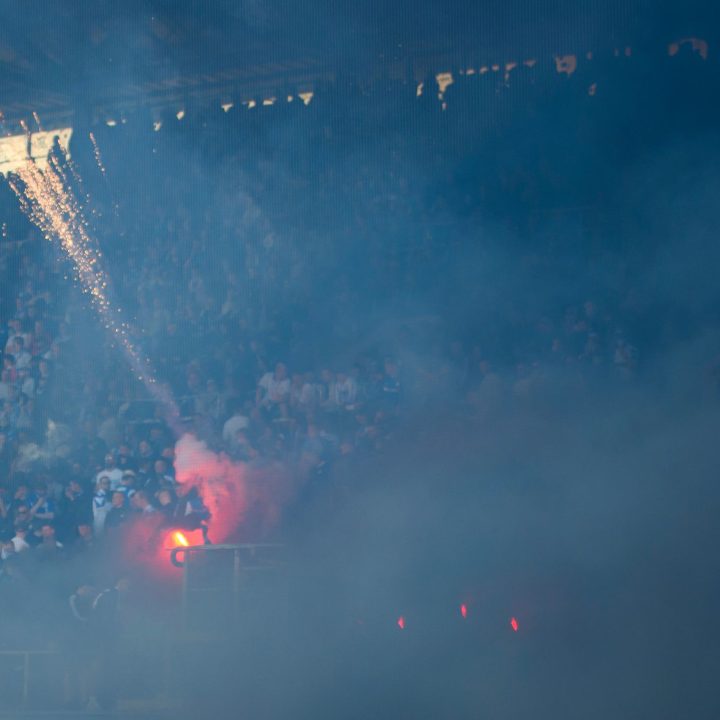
278,349
75,471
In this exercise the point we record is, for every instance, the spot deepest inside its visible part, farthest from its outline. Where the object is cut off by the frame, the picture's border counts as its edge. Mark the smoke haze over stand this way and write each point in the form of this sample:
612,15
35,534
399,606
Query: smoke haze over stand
592,523
581,503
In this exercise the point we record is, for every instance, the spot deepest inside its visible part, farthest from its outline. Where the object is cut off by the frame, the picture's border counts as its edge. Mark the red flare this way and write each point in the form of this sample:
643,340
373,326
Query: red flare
177,538
401,622
514,624
463,610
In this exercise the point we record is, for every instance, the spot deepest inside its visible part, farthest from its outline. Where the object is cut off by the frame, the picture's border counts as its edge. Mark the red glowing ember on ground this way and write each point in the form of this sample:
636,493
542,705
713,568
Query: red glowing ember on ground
514,624
463,610
401,622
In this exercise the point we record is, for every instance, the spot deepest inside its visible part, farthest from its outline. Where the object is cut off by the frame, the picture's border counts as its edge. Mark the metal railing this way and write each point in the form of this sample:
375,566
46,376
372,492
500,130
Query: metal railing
26,655
247,559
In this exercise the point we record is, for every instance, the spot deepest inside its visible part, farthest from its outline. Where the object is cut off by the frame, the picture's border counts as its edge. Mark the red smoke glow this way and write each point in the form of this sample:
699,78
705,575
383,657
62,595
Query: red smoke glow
228,491
146,543
244,502
220,482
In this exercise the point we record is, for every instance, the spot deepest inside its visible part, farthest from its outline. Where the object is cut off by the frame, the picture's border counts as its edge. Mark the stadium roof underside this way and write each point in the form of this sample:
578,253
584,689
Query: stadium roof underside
104,56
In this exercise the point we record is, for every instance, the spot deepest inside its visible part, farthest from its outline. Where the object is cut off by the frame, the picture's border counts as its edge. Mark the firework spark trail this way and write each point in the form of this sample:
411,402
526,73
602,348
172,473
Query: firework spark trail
46,197
98,157
101,166
77,179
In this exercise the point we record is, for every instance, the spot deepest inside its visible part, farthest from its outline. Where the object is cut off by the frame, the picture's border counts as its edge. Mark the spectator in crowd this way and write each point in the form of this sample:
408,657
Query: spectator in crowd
119,511
141,503
166,504
111,471
237,422
43,509
344,391
127,484
7,548
49,547
101,503
74,508
85,537
273,392
18,539
20,354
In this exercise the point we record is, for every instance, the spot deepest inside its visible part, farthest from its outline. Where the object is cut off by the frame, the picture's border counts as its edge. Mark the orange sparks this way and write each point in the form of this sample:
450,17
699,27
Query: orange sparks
47,198
96,153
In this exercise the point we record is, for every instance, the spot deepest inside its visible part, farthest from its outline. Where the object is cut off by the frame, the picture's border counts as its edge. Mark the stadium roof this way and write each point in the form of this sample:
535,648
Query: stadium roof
60,57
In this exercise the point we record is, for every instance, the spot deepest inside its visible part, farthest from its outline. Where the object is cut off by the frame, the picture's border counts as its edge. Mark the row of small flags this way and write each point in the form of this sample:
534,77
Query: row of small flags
564,64
304,97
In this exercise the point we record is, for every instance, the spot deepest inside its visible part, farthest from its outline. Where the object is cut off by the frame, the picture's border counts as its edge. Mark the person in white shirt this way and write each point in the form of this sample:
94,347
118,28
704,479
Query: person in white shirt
273,391
7,549
26,382
22,356
296,385
19,539
325,389
101,505
14,331
237,421
309,395
110,471
344,391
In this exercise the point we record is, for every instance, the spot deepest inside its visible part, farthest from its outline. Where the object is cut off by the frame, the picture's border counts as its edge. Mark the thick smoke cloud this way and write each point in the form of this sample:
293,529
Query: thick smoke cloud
243,501
221,483
584,508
